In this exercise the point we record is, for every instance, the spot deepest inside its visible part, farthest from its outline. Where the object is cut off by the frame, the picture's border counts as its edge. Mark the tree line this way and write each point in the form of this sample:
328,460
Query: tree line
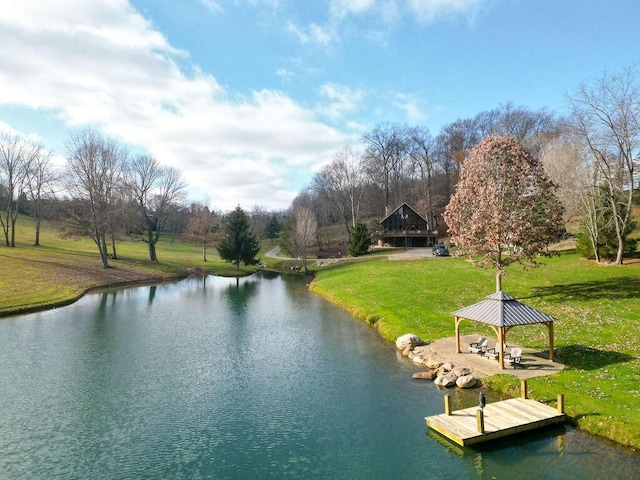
104,192
591,155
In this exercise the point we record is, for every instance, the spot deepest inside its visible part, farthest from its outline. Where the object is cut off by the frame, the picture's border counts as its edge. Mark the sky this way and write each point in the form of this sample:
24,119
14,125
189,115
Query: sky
250,98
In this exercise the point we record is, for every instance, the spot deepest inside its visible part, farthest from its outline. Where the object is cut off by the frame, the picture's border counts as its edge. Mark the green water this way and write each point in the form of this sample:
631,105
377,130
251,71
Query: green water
241,379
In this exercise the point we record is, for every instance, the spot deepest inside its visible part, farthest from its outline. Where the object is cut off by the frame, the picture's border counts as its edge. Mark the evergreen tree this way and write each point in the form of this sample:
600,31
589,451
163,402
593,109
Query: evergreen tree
239,244
272,229
359,239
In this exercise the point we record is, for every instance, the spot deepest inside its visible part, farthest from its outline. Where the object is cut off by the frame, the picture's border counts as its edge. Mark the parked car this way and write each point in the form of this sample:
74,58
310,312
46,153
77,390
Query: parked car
440,250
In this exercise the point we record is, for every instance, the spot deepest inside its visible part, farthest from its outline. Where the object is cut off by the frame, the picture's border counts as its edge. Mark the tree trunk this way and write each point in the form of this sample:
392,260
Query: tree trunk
204,253
499,272
152,246
36,243
102,246
113,245
13,231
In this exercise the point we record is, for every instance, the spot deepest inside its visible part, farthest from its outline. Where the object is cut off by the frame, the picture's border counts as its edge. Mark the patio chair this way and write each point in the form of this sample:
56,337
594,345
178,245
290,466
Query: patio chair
479,346
493,352
514,357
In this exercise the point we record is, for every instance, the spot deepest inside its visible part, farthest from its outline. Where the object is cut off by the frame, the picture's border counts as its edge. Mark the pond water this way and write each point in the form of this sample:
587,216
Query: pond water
251,378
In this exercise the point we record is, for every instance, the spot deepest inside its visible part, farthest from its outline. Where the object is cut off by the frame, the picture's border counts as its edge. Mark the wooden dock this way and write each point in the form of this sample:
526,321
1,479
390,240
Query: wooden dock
497,420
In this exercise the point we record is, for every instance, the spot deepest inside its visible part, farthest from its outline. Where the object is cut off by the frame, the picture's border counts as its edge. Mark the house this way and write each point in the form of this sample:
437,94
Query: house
404,227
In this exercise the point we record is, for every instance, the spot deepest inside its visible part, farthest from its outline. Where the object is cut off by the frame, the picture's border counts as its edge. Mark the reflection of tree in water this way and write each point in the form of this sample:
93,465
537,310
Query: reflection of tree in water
240,292
152,293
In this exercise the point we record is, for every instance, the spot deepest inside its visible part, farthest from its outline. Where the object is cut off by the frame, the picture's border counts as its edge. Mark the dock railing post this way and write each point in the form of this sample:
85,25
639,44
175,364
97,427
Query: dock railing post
480,420
447,404
523,389
560,403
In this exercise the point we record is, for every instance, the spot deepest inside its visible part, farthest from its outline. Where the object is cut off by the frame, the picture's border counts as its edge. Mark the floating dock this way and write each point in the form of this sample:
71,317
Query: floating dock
499,419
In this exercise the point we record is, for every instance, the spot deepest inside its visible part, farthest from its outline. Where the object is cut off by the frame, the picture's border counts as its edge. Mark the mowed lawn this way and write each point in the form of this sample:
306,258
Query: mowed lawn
61,270
597,308
597,331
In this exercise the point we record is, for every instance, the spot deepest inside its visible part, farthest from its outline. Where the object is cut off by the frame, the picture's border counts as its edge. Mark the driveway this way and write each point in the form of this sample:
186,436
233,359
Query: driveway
413,254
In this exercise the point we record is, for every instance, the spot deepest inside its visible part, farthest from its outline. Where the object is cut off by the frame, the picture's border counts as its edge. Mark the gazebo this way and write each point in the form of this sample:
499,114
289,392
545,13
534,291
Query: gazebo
502,312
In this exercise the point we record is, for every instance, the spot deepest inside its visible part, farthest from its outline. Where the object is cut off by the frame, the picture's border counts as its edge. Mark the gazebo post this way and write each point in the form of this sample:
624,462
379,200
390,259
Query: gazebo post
551,346
457,322
501,336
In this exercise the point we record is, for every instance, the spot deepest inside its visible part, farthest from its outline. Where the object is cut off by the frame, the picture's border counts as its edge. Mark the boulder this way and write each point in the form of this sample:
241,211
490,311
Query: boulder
423,350
407,352
466,381
428,375
445,368
433,363
408,340
461,371
418,360
446,381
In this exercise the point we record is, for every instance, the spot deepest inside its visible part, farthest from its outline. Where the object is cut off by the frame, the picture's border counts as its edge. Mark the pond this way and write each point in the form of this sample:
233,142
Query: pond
250,378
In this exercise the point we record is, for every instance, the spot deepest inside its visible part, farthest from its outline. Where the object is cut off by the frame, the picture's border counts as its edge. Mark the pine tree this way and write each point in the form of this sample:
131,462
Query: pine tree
239,243
359,239
272,228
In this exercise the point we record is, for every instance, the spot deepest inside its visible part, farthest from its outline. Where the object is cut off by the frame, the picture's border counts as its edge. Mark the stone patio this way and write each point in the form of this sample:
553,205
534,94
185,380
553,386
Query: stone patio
534,363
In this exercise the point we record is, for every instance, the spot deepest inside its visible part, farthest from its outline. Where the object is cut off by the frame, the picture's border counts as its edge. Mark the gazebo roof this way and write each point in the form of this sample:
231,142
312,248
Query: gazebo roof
502,310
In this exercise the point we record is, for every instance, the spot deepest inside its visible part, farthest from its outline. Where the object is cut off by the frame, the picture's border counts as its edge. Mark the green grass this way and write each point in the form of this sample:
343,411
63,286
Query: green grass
597,332
597,308
60,271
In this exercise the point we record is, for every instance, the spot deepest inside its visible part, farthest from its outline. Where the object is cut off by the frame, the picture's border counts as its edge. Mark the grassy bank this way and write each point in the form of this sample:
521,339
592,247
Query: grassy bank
597,307
597,328
60,271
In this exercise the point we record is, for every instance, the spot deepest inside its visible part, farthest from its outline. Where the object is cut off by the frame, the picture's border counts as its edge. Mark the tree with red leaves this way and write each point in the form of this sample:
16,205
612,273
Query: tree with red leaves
505,210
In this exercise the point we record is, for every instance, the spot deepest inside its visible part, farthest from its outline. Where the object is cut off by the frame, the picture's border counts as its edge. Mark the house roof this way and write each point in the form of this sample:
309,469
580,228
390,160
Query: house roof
502,310
404,204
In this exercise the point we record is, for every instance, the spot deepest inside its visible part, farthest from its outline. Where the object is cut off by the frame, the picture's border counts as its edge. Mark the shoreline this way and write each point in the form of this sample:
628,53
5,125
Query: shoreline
498,386
372,320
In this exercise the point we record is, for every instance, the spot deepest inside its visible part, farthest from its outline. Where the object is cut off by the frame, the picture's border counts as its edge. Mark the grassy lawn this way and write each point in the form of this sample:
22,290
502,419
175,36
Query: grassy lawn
597,331
60,271
597,307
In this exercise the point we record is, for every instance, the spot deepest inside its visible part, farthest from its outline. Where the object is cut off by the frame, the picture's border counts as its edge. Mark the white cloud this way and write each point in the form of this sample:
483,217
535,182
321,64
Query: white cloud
102,64
425,11
341,100
411,106
343,8
212,5
428,11
313,34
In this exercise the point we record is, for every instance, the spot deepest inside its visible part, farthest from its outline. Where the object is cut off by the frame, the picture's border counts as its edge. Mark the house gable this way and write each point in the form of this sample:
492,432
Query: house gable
404,227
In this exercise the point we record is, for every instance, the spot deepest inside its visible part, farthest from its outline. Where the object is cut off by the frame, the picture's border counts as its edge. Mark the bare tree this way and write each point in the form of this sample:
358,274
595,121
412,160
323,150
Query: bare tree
41,181
300,233
17,154
503,200
203,229
606,117
155,190
95,166
259,216
385,152
421,149
341,182
566,166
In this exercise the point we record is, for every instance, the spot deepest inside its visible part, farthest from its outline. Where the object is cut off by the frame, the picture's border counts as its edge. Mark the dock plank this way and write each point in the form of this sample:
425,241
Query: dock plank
501,419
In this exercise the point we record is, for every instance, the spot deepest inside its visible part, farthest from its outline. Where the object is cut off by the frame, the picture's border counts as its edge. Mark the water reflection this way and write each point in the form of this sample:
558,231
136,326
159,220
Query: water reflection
248,378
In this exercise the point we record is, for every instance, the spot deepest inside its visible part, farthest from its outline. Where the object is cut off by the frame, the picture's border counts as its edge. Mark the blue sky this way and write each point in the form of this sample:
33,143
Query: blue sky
249,98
